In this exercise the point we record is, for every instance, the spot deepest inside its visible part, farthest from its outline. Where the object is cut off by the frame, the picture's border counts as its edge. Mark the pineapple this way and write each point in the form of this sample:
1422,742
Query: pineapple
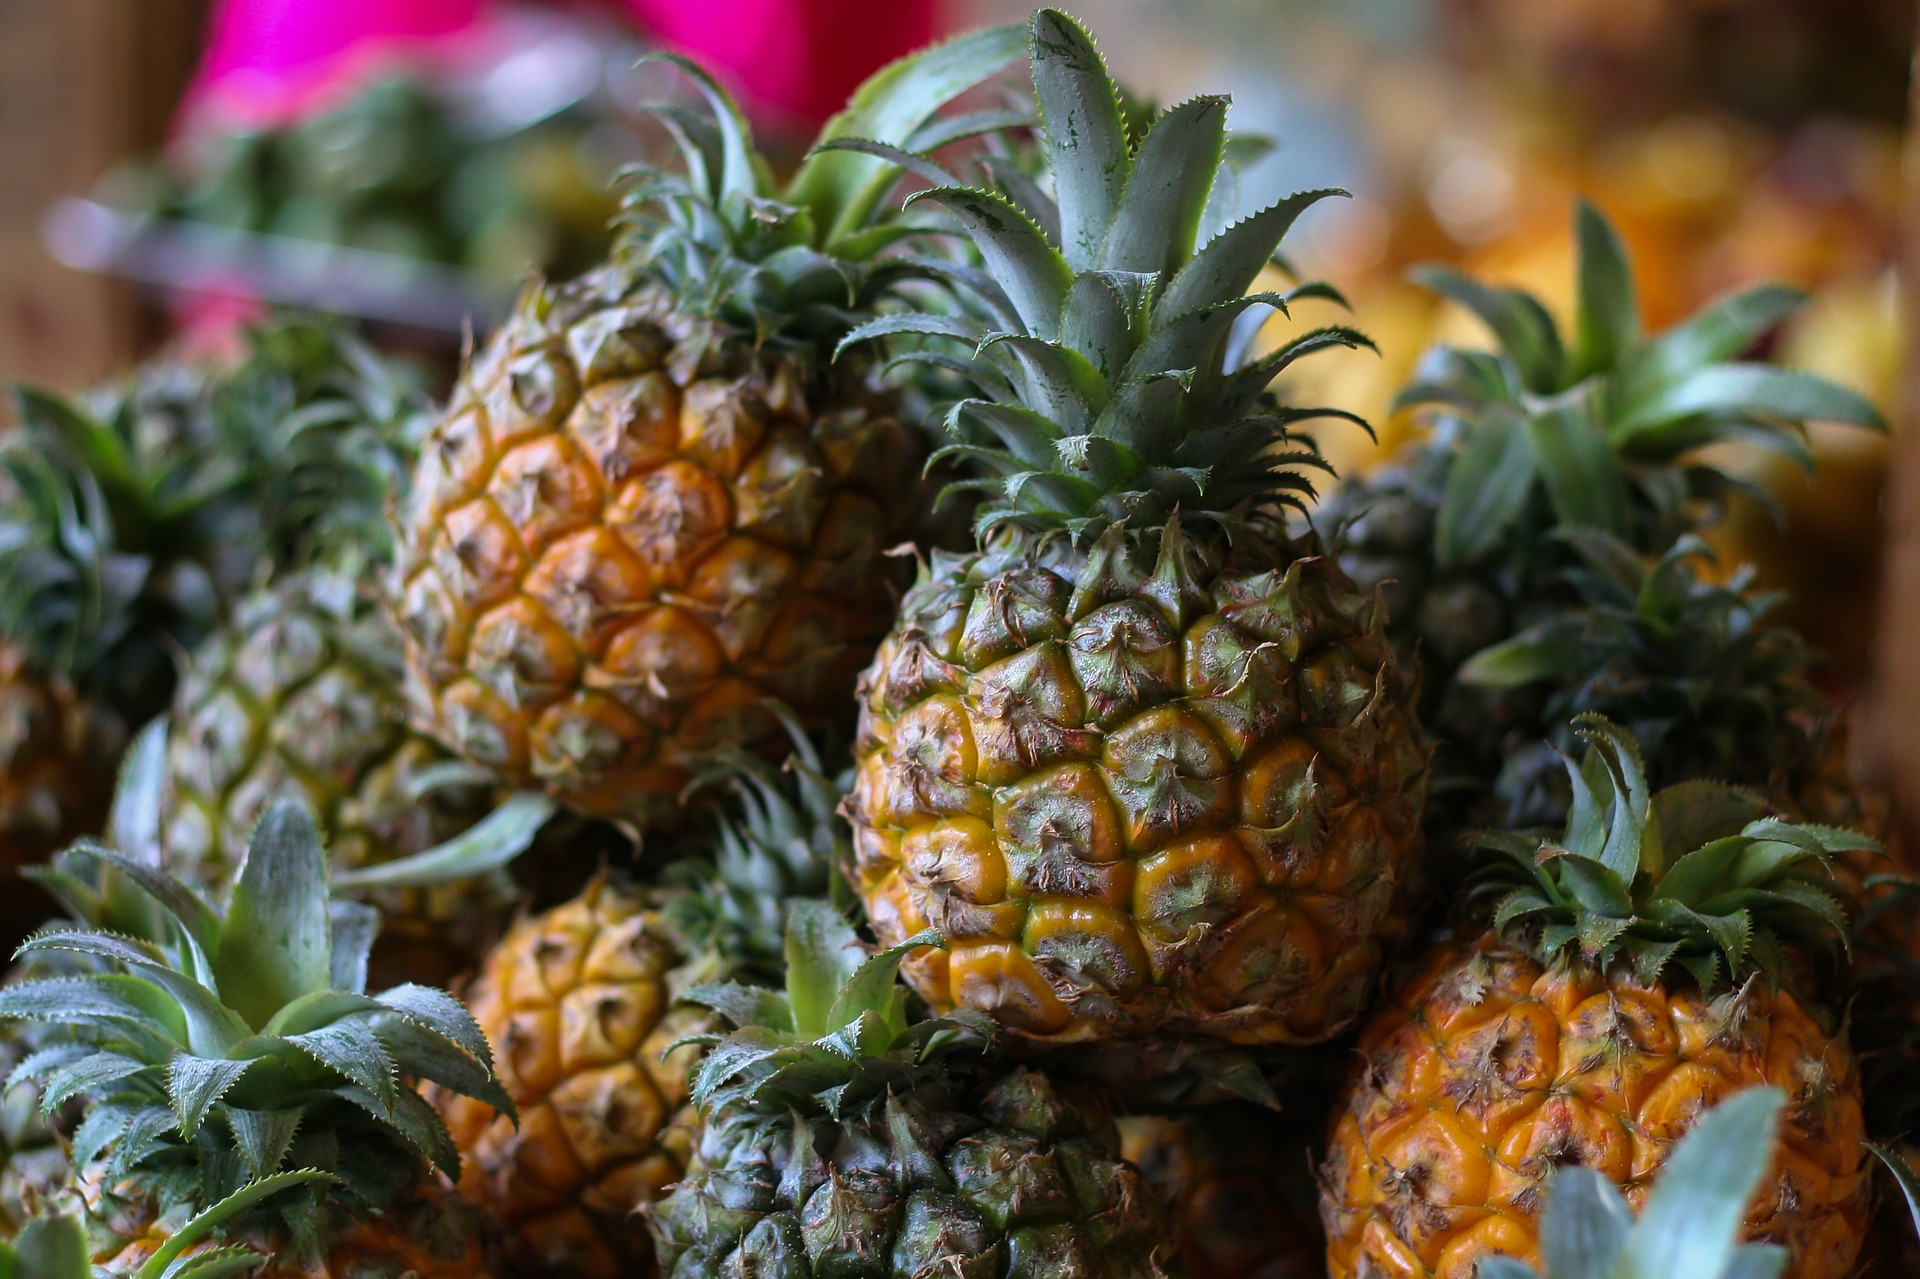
1651,962
207,1049
580,1004
838,1138
652,502
1690,1228
1542,446
130,521
97,576
1688,663
1146,763
298,696
578,1001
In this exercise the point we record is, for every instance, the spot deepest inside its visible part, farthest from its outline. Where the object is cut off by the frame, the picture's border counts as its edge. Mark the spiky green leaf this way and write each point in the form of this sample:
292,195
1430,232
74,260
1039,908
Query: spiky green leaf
1607,315
1166,195
1693,1217
1487,489
1588,1221
1031,272
1084,137
276,942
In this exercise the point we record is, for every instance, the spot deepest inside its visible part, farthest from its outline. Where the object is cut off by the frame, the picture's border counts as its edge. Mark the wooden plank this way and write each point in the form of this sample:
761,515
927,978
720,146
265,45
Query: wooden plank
83,84
1892,711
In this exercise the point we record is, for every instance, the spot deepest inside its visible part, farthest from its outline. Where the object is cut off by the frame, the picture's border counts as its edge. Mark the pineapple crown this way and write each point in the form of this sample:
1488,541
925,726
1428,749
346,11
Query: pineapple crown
828,1099
797,260
1683,660
835,1042
1113,371
210,1048
1599,418
781,843
325,431
1692,1223
110,535
1695,875
127,524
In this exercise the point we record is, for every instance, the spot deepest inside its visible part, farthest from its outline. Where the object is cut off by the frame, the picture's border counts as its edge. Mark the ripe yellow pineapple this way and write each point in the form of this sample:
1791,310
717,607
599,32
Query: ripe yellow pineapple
1146,763
1639,970
652,502
579,1005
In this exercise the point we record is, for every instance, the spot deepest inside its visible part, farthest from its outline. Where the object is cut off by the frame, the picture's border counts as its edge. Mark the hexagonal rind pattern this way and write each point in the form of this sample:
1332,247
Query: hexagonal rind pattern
628,530
1134,804
577,1004
1488,1071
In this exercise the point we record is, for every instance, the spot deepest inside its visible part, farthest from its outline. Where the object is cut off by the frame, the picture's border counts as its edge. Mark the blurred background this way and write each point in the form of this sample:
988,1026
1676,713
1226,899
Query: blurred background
170,167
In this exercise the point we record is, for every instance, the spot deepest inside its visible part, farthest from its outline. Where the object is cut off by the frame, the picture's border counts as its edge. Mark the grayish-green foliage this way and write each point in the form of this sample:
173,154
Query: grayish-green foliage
1696,875
1686,661
208,1049
1110,336
128,522
801,261
1606,416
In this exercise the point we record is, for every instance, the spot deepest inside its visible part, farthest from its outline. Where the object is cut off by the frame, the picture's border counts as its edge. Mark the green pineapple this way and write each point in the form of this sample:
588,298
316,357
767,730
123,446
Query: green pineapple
839,1138
207,1049
298,696
1542,449
130,522
1683,659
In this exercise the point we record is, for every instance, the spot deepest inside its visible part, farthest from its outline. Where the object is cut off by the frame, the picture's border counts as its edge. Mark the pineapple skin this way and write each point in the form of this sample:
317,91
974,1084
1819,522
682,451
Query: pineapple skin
1009,1177
1139,798
578,1005
1489,1070
630,528
299,695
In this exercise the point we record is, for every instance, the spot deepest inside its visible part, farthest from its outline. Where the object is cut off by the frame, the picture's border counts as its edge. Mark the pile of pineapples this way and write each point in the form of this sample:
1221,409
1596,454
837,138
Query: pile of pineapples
1177,876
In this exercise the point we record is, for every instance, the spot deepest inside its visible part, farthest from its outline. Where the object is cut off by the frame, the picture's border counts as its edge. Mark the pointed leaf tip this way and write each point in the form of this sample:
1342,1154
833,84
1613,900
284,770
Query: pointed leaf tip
276,942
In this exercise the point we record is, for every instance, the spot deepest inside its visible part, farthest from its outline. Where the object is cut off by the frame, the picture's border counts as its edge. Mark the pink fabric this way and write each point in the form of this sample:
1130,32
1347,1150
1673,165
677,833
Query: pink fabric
272,60
792,60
